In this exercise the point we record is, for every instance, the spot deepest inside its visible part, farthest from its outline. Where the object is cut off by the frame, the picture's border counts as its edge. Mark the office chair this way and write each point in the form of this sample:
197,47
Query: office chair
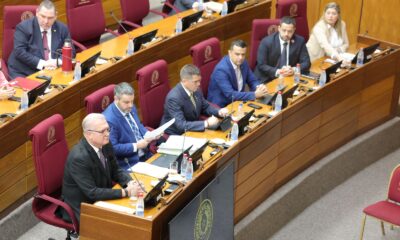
205,56
99,100
296,9
50,151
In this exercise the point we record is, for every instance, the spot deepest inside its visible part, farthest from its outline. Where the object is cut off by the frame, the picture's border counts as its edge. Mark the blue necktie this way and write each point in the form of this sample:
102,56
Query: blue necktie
134,127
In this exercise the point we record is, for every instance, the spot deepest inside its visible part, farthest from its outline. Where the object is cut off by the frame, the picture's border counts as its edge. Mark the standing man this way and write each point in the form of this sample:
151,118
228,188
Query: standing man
230,77
127,132
185,103
91,169
281,51
36,41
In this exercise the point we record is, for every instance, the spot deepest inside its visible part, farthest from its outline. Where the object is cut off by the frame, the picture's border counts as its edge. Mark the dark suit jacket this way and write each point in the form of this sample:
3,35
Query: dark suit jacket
85,179
269,53
179,106
28,46
223,83
182,5
122,137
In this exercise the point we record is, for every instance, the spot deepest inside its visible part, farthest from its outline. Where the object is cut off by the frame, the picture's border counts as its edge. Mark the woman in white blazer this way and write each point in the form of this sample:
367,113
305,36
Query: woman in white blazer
328,37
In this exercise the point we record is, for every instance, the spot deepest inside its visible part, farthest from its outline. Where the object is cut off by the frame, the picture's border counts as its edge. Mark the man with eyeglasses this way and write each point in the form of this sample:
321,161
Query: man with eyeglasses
91,169
127,132
185,102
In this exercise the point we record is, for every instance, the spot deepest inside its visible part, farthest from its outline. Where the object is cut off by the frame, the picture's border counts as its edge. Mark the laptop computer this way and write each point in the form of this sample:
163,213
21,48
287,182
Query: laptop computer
233,3
164,160
269,99
368,51
37,91
153,197
197,155
244,121
142,39
89,63
332,70
189,20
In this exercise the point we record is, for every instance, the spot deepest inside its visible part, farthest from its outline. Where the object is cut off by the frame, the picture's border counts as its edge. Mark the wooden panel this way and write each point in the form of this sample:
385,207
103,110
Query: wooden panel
339,122
13,193
340,108
12,176
338,137
12,159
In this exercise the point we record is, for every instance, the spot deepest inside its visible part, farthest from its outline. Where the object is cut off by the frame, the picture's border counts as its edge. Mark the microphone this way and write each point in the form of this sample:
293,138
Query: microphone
120,24
134,175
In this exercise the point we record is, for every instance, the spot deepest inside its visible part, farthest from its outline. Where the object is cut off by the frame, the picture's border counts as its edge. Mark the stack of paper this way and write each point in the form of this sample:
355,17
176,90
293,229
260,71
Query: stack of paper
115,207
150,170
176,144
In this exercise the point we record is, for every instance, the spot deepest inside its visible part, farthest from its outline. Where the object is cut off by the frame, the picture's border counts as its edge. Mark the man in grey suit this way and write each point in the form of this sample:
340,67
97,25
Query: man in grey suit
91,169
185,102
36,41
281,51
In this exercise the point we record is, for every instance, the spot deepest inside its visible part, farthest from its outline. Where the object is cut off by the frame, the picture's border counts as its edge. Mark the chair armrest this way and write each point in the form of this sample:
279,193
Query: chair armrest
79,45
131,24
159,13
172,6
62,204
112,32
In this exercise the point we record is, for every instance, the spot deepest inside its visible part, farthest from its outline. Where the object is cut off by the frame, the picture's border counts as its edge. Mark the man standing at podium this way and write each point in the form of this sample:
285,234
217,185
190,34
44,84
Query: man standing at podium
36,41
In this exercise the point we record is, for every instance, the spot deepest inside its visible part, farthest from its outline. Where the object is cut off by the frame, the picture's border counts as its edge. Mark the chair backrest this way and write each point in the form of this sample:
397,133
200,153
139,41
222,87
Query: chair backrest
86,21
135,11
394,185
167,9
296,9
12,15
206,55
98,101
153,88
50,151
260,29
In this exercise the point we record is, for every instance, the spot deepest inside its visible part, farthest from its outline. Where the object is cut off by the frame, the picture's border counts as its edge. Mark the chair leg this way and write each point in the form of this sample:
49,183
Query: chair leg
362,227
383,228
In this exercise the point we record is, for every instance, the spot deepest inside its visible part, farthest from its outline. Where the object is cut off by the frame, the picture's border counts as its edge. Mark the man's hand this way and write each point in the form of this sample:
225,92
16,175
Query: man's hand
212,121
133,188
261,91
142,143
223,112
287,71
6,92
50,64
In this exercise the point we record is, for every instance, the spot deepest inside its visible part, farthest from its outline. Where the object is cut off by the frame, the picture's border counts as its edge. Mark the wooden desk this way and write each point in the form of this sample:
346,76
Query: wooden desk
278,149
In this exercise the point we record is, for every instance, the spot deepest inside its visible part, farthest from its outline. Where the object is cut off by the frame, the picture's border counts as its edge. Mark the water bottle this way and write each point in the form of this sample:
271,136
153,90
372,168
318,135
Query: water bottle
224,10
240,111
297,74
77,71
278,102
281,81
234,132
322,79
360,58
178,27
201,5
189,170
130,48
24,100
140,205
184,165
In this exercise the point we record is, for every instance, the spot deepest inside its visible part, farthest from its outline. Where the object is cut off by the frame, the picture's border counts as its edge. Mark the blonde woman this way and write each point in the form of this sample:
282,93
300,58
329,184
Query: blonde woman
328,37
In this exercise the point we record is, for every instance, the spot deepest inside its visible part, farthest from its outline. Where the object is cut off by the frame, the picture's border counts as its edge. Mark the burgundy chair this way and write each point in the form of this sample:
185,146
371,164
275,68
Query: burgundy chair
296,9
153,88
12,16
387,210
206,55
133,13
86,22
98,101
50,151
260,29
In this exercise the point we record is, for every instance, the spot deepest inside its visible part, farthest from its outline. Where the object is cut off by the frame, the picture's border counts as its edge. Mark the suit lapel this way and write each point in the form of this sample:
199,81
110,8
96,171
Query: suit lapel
186,99
95,158
233,74
54,38
38,36
125,125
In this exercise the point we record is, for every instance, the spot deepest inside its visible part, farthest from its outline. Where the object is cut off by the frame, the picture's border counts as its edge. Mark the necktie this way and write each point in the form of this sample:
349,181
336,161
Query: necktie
45,46
283,59
192,99
134,127
239,79
103,160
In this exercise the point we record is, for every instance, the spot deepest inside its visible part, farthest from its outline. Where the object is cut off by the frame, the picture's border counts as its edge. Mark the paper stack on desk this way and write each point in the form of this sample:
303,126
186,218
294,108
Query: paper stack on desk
115,207
176,144
150,170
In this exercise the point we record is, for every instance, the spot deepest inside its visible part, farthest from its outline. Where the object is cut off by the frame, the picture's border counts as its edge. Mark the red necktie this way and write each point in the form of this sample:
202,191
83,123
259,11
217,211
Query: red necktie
45,46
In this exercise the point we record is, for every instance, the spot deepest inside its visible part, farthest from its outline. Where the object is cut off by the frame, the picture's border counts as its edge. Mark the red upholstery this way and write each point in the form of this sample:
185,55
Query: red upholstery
296,9
153,88
50,151
12,15
389,209
86,22
206,55
260,29
98,101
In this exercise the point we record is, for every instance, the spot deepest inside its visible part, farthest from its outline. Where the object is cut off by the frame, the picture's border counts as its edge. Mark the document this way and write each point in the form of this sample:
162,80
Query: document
160,130
149,170
176,144
115,207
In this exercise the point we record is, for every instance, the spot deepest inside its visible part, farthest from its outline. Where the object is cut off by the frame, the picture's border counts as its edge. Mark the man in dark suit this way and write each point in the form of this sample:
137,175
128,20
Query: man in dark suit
278,53
127,132
230,77
185,103
91,169
36,41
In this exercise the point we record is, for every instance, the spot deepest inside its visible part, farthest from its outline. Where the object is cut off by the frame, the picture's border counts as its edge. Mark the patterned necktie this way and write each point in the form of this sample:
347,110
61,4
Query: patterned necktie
192,99
239,78
283,55
103,160
134,127
45,46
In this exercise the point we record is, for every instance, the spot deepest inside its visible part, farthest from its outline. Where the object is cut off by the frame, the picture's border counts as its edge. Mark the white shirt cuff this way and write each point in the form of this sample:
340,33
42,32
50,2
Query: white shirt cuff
40,65
134,147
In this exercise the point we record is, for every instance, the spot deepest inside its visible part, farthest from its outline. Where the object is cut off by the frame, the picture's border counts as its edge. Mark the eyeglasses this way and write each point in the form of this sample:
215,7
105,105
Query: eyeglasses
106,130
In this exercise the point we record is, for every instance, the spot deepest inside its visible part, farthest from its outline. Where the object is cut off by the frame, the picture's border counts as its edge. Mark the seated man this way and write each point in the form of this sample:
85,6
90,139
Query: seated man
91,168
281,51
36,41
230,76
127,131
185,103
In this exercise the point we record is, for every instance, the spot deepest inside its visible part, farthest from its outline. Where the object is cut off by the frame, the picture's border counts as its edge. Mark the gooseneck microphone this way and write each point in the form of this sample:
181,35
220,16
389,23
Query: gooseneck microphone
120,24
134,175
